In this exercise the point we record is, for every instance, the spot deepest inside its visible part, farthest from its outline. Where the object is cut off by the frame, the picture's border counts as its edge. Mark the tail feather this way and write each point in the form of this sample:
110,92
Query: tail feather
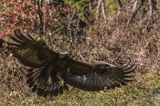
38,82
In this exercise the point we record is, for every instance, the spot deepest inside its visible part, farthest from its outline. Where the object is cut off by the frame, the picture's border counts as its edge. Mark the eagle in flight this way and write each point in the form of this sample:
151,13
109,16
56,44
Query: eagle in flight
49,73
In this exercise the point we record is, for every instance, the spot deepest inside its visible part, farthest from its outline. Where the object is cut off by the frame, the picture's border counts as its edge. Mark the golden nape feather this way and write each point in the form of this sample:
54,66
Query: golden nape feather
50,73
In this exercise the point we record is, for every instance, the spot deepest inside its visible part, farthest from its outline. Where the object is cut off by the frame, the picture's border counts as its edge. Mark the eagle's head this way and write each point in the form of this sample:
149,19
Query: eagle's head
42,42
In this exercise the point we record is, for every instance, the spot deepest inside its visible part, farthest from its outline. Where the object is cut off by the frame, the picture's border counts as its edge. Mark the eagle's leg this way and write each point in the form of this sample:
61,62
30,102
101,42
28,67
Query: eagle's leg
61,81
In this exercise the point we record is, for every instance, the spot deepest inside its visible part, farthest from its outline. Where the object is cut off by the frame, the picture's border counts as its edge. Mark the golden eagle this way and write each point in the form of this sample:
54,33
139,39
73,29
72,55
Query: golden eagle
50,73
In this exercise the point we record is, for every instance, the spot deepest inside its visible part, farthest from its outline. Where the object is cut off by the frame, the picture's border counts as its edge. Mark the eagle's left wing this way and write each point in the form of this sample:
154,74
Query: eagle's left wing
99,76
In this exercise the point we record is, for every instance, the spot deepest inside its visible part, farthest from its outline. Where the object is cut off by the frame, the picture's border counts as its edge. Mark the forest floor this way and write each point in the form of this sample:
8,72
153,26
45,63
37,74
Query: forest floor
107,41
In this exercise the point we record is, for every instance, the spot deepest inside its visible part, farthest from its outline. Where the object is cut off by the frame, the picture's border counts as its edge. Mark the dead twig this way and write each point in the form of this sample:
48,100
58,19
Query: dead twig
150,18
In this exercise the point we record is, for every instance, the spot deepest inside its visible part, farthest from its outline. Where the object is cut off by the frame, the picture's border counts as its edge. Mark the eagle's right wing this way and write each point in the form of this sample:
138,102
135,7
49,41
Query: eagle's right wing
28,51
44,64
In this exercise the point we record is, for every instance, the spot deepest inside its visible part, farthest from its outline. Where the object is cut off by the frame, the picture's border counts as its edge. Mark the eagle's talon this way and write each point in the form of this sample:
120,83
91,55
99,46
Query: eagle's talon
49,81
61,82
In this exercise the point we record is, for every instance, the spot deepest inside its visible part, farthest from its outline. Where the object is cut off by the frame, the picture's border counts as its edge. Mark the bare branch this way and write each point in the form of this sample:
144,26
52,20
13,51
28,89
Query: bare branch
103,10
101,4
135,11
150,13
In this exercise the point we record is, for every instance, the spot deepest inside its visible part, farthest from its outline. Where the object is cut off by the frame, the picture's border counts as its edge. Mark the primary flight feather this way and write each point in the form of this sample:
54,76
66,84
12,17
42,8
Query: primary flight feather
50,72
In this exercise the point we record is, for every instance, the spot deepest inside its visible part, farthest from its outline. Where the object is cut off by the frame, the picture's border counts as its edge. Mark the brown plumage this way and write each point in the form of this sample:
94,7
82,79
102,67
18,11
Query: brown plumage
50,72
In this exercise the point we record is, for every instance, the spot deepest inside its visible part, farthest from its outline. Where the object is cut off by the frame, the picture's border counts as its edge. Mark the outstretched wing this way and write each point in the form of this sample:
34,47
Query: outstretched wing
30,52
100,76
44,64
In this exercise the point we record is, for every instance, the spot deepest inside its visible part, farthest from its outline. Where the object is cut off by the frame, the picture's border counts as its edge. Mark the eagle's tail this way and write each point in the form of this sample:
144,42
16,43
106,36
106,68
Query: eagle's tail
44,85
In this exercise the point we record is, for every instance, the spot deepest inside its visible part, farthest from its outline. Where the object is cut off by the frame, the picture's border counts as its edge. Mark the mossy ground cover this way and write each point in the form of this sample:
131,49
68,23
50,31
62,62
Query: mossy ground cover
146,92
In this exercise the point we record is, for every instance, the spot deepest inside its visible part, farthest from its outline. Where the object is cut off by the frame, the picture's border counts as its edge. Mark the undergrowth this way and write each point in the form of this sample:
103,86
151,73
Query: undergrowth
104,41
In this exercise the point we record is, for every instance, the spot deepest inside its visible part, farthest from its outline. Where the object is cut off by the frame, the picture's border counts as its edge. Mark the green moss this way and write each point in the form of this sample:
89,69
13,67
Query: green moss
112,6
2,7
82,6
